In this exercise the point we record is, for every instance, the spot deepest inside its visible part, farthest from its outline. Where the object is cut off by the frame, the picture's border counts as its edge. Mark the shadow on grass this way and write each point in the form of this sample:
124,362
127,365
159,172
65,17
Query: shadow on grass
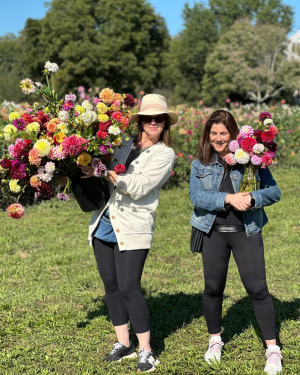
170,312
241,315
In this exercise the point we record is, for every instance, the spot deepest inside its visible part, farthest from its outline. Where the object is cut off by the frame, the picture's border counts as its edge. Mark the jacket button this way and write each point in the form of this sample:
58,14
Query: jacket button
117,230
121,243
250,233
258,205
113,217
235,178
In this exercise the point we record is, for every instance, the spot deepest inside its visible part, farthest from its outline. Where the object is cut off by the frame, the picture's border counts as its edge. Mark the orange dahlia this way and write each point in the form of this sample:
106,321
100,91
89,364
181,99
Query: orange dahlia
118,98
35,182
107,95
34,157
52,125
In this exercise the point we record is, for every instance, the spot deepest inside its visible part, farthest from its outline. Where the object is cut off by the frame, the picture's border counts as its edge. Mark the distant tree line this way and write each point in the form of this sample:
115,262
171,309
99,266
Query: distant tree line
226,49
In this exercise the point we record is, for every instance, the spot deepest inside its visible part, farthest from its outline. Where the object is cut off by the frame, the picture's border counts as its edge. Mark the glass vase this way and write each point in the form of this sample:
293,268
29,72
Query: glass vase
250,181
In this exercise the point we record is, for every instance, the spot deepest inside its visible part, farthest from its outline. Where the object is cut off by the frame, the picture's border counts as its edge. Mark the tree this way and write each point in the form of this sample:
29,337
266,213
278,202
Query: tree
249,60
10,68
273,12
188,52
97,42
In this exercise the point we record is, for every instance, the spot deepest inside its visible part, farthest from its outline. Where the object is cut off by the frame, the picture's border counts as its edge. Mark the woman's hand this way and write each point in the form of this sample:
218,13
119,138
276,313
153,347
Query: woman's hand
87,171
240,201
63,181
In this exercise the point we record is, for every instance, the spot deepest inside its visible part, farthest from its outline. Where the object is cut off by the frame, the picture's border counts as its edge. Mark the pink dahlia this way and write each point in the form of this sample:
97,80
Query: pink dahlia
15,210
246,131
120,168
68,104
266,160
273,129
102,135
71,97
99,169
117,116
73,145
256,160
19,124
233,146
16,150
62,197
230,159
248,143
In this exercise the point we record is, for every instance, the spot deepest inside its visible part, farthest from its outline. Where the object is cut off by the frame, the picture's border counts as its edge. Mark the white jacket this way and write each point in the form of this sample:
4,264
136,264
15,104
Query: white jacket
133,204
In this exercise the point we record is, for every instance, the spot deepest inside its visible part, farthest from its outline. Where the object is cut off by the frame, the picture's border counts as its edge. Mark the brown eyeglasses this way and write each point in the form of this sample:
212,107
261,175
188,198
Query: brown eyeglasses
148,119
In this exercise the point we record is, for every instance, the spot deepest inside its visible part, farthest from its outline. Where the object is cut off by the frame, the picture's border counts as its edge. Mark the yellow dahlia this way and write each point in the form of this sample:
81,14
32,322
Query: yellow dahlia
84,159
63,127
107,95
181,131
10,132
103,118
117,141
79,109
59,137
43,146
14,116
33,127
14,187
102,108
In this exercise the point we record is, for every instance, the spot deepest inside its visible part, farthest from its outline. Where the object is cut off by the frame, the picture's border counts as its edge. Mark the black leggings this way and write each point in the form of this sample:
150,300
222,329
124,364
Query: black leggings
248,253
121,272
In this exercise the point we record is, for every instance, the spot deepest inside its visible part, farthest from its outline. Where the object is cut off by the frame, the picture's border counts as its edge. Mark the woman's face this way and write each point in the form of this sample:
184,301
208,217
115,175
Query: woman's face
153,125
219,137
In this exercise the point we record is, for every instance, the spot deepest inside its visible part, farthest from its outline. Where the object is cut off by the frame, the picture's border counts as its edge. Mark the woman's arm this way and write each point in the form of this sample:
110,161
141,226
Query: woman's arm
155,174
269,192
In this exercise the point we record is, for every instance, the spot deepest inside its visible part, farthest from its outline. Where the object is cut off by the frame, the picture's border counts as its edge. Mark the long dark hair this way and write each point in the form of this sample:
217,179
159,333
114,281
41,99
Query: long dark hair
164,135
205,150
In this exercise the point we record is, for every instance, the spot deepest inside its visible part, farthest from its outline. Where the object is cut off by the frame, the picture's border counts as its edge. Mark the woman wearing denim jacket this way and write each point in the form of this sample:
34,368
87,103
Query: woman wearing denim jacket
231,221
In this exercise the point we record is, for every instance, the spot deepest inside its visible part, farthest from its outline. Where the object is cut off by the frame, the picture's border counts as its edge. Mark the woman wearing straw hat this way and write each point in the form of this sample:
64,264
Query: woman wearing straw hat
121,234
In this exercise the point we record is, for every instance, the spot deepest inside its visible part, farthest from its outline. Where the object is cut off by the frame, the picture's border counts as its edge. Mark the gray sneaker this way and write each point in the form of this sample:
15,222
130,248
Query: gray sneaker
147,361
120,352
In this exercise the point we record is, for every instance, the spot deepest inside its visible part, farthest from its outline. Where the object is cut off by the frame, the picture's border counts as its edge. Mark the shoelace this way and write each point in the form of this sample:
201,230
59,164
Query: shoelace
117,346
143,355
273,357
215,347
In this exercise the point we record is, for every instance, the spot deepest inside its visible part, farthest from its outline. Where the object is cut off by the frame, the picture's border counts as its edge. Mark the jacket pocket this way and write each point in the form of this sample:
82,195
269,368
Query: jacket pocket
206,178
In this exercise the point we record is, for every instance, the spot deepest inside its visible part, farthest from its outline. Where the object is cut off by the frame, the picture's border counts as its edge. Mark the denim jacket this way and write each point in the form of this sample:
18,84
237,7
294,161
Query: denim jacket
205,182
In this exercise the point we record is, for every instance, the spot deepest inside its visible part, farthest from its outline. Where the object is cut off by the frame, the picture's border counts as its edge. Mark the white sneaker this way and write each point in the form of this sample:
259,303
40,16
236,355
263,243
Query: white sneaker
273,355
215,346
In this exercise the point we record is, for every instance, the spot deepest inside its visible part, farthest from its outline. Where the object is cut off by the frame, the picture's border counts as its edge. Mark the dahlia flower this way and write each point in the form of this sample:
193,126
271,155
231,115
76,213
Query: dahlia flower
16,150
73,145
68,104
233,146
27,86
50,167
118,97
264,115
266,160
120,168
267,136
257,134
35,182
273,129
102,108
102,117
56,153
258,148
104,126
44,192
71,97
84,159
44,175
18,170
34,157
62,197
59,137
98,170
33,127
107,95
96,162
248,143
87,105
117,142
230,159
5,163
102,135
256,160
15,210
63,115
103,149
129,100
14,116
43,146
14,187
63,127
19,124
246,131
267,122
114,130
241,156
89,117
10,132
79,109
51,67
117,116
52,125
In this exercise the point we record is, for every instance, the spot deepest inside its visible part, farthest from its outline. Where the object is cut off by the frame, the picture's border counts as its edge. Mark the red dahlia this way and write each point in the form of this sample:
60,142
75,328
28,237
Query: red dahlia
44,192
102,135
248,143
267,136
5,163
120,168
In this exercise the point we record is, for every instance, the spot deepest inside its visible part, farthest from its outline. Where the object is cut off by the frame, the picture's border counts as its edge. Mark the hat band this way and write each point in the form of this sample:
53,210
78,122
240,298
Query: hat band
154,106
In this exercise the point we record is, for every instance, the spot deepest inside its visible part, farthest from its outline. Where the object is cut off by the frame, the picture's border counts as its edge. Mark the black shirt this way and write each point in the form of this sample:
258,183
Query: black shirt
230,216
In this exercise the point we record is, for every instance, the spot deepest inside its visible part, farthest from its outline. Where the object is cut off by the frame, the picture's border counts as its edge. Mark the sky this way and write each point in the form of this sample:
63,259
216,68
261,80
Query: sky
13,13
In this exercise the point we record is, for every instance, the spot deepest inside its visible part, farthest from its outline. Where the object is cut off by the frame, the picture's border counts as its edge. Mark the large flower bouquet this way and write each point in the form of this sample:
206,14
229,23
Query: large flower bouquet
48,142
254,149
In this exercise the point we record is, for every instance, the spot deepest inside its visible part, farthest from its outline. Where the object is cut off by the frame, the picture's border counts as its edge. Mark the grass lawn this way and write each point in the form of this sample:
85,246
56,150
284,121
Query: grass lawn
52,308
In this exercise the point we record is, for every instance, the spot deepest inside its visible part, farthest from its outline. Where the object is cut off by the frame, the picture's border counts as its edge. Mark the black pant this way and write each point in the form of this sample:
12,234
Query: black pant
248,253
121,272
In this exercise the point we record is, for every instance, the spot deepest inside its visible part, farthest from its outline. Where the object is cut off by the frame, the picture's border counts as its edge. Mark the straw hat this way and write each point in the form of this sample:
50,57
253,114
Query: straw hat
154,104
